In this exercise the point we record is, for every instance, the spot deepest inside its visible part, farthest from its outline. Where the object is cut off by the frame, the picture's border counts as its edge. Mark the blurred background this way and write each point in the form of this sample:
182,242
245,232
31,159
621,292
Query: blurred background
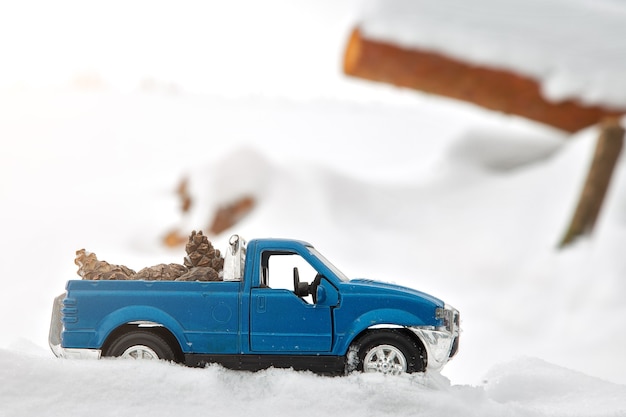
276,48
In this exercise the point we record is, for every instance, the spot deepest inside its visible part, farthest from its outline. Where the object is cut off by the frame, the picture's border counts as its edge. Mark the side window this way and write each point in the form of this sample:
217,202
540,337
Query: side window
278,272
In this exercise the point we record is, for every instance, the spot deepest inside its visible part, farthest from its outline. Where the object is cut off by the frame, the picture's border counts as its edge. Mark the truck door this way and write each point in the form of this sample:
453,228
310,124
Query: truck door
282,321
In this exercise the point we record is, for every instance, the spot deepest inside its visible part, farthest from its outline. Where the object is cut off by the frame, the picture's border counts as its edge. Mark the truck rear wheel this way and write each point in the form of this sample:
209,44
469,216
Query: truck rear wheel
140,344
389,352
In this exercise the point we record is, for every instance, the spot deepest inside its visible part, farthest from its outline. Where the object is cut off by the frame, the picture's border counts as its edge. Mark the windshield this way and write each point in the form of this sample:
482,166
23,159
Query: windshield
328,264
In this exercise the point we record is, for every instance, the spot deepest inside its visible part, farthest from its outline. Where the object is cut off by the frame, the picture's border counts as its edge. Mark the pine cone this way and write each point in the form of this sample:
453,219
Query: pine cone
161,272
217,264
200,274
201,253
197,241
90,268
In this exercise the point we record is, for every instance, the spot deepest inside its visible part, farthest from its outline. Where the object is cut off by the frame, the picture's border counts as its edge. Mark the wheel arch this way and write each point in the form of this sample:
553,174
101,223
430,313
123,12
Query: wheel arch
355,345
150,327
397,329
380,319
134,317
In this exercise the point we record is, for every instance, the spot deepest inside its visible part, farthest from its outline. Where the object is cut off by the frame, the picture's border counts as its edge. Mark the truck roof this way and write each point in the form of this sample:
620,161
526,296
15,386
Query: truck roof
282,242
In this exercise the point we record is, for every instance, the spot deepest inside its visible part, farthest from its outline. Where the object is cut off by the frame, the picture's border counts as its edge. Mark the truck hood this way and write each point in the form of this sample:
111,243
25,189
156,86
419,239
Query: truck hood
365,286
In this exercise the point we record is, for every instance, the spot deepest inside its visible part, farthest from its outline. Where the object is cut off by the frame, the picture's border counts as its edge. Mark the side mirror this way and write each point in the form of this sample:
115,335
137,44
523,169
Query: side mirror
321,294
327,294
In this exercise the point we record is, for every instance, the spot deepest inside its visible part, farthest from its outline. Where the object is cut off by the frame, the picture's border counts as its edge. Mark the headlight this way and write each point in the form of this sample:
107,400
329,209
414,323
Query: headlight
450,317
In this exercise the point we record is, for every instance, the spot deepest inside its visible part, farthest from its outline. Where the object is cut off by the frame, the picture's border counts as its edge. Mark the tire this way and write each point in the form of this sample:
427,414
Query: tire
389,352
141,344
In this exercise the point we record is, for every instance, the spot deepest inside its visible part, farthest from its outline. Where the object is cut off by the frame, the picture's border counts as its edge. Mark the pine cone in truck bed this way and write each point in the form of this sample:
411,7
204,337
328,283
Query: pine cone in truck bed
90,268
161,272
201,253
202,273
202,263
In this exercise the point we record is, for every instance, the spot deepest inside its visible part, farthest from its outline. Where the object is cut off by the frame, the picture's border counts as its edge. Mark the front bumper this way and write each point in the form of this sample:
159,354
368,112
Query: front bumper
441,343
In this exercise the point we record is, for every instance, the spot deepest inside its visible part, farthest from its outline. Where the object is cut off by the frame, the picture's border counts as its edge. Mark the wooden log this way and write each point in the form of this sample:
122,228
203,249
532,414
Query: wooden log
230,214
608,149
491,88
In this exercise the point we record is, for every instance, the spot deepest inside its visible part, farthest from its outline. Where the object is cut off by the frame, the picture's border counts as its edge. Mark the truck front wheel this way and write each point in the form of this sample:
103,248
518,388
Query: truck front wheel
388,352
140,344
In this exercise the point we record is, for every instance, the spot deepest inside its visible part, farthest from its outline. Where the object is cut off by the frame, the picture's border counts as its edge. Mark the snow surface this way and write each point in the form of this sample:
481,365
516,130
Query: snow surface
576,49
525,387
462,203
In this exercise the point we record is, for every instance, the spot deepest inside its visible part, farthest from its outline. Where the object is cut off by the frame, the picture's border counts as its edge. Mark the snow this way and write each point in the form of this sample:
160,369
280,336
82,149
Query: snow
524,387
574,48
452,200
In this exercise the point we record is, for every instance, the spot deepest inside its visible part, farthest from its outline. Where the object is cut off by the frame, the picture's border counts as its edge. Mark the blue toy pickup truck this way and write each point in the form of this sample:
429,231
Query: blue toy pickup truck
321,321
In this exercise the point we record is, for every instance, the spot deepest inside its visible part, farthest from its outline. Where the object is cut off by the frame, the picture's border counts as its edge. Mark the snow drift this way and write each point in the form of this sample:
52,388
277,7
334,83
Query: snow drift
32,384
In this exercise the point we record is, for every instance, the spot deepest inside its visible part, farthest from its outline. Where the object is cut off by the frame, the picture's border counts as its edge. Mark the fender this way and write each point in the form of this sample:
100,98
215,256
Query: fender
386,317
138,313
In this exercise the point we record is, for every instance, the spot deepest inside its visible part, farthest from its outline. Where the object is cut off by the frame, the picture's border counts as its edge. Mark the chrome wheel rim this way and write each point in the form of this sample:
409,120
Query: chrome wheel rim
385,359
140,352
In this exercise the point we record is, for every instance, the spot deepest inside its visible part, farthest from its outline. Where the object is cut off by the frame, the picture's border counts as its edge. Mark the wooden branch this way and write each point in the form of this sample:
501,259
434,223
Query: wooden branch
608,148
491,88
229,215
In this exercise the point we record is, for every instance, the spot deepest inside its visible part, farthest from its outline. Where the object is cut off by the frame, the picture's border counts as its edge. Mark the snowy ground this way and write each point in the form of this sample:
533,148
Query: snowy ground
525,387
461,203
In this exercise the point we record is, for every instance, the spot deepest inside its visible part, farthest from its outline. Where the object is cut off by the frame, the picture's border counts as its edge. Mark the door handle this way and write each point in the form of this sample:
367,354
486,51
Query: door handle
260,304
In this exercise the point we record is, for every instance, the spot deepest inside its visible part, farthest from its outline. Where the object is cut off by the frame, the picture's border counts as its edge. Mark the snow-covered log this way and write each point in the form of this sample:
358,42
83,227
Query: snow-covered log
495,89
